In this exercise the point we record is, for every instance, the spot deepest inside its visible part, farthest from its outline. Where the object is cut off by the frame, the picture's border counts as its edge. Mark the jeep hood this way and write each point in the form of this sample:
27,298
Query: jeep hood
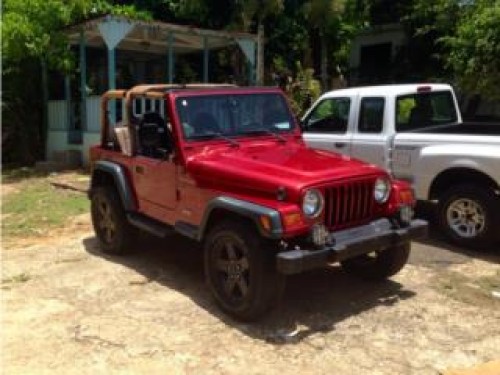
266,167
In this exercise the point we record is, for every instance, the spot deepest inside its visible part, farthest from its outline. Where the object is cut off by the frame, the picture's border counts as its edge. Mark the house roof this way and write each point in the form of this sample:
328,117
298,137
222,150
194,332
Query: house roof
155,36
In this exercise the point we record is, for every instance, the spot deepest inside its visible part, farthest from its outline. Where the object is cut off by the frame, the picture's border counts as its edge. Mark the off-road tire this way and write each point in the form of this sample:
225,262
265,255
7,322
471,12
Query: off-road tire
378,265
481,208
240,270
114,232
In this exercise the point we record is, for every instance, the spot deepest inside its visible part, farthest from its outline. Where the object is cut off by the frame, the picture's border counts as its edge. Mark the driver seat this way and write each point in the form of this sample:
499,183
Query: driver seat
154,135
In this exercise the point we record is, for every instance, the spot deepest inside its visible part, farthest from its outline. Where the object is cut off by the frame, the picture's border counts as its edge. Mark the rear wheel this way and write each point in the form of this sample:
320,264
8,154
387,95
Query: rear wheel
378,265
112,229
240,270
469,216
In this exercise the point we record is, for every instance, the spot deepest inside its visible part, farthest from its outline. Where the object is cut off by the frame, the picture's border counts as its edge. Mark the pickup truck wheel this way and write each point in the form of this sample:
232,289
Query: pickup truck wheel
378,265
469,215
112,229
240,271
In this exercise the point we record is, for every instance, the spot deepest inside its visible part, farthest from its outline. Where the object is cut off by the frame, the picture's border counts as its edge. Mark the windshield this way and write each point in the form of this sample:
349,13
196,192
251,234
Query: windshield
233,115
421,110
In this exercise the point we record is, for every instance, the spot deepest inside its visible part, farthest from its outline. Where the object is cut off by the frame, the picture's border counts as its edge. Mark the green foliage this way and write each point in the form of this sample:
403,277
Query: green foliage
475,49
32,32
35,28
302,90
323,14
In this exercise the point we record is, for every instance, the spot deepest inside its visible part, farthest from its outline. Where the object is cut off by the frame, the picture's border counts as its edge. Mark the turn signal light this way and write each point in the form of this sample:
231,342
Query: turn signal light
407,197
265,221
292,219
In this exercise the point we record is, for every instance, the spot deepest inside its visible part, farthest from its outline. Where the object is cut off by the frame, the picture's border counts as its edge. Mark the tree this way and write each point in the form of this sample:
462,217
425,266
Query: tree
324,16
475,48
32,36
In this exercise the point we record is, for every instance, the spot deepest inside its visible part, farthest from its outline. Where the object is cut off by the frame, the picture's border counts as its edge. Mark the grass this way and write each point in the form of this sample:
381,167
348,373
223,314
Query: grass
35,206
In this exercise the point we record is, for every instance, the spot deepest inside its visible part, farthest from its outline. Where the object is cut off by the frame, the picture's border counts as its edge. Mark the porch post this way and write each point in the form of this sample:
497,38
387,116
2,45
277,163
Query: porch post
205,59
171,57
260,54
248,48
111,69
83,81
111,84
45,99
67,96
113,30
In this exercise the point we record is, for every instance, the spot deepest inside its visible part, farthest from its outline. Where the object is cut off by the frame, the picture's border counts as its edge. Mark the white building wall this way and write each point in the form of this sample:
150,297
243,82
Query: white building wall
93,114
57,134
57,114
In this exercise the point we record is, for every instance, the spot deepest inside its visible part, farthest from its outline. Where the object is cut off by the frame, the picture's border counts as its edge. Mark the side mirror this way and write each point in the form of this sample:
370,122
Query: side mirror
301,123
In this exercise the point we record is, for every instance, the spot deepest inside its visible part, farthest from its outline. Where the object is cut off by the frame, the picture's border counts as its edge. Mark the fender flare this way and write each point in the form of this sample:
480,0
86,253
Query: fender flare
121,182
246,209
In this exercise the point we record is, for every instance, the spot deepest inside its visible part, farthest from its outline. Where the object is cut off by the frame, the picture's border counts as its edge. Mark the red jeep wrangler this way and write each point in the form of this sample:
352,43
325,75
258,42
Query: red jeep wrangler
227,167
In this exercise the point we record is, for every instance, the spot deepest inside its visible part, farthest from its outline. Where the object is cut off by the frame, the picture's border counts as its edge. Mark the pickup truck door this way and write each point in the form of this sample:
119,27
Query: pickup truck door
370,140
326,126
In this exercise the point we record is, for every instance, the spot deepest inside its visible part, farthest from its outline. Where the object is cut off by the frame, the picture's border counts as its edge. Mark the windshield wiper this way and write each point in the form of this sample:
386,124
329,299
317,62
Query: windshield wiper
265,131
212,135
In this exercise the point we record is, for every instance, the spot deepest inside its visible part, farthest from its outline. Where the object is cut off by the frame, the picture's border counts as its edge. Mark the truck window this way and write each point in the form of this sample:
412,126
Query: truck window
371,115
329,116
421,110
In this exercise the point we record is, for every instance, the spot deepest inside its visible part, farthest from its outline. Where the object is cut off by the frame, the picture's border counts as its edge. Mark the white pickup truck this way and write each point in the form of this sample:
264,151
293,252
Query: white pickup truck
416,132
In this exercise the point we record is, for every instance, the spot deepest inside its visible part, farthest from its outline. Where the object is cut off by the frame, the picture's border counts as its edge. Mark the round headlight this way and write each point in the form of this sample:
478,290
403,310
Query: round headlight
382,190
312,203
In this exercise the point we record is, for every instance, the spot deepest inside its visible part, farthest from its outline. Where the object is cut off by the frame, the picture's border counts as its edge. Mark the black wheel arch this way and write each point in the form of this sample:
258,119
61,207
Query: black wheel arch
228,208
457,176
107,173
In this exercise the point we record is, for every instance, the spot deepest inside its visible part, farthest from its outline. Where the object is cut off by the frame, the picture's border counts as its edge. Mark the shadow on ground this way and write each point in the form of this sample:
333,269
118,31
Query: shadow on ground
438,252
313,302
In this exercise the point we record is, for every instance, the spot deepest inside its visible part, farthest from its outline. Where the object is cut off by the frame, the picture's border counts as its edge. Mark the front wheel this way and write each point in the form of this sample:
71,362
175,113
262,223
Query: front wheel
469,216
378,265
240,270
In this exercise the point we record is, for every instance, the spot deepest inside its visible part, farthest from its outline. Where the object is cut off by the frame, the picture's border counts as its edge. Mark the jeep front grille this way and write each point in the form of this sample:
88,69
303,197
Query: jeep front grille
349,204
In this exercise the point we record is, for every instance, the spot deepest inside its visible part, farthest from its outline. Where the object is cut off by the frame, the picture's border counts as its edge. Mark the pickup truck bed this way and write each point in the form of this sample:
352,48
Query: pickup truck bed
462,128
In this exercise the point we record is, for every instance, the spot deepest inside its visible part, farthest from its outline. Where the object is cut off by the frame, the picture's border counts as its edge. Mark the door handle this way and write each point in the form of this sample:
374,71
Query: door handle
139,169
339,145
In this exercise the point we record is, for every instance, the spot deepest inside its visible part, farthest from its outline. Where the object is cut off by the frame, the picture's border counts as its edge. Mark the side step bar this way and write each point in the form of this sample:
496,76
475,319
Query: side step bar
149,225
160,229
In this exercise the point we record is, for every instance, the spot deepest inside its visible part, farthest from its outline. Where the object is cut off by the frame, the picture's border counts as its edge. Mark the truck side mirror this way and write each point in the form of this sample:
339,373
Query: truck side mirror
301,123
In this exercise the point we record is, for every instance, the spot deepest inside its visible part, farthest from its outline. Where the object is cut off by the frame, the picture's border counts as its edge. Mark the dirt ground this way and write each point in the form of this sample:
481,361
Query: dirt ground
68,309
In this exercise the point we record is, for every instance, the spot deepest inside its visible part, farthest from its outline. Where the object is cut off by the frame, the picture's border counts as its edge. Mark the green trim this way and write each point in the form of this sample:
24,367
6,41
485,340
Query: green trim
67,97
205,59
111,83
170,57
83,81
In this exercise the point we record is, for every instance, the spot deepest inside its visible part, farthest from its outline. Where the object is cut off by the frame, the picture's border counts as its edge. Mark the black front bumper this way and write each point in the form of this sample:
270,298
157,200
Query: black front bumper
348,243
